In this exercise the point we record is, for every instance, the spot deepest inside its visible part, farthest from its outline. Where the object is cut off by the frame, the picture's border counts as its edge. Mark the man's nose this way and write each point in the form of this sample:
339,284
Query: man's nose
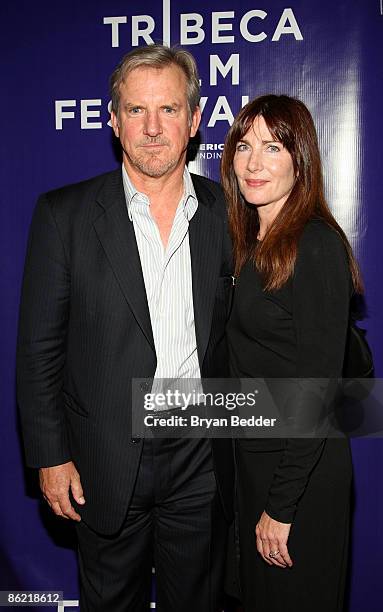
152,126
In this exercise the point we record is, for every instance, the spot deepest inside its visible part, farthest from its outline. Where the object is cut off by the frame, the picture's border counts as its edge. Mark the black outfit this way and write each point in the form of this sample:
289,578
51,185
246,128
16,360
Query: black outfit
298,331
84,333
174,523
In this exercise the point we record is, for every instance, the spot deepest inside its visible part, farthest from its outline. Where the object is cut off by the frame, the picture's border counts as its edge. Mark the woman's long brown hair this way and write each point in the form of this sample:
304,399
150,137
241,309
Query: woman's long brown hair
289,122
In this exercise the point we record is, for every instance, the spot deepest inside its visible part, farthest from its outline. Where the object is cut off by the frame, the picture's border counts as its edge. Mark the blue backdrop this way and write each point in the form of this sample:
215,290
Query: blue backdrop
56,60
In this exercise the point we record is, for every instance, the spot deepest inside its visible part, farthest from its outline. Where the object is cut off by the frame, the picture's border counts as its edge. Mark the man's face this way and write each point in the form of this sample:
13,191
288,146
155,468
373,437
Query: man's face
153,122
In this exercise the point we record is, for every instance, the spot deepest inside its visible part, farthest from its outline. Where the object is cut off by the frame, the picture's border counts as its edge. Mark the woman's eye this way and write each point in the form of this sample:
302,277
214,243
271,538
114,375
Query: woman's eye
242,146
273,148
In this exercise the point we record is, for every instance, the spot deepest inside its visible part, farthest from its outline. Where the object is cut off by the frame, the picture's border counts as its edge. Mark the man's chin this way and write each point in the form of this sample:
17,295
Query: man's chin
156,168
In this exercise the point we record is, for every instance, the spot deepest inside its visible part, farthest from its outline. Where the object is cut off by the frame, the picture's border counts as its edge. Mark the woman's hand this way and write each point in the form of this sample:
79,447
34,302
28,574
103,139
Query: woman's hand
272,539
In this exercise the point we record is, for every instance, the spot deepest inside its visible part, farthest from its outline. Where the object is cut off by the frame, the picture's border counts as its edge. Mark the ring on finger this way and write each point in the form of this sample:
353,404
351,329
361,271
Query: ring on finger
274,553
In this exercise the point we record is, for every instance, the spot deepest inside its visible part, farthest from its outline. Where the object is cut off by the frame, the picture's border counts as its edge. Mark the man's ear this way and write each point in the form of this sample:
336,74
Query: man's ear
115,124
196,120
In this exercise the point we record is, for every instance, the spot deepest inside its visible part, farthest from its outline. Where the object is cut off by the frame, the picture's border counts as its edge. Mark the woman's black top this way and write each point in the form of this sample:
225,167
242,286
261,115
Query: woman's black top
297,331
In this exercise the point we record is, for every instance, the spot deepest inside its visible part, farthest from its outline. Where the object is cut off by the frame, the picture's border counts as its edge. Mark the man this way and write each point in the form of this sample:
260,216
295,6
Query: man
127,276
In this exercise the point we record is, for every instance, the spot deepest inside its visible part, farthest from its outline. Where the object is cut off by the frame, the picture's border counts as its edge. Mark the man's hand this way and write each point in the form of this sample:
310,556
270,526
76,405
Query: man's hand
55,483
272,538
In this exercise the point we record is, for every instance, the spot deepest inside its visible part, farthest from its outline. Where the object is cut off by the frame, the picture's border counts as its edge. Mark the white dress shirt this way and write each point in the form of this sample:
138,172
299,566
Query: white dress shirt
168,282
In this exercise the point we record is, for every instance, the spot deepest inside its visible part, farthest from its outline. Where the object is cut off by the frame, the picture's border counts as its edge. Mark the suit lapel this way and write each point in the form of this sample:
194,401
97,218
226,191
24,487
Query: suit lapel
205,239
116,234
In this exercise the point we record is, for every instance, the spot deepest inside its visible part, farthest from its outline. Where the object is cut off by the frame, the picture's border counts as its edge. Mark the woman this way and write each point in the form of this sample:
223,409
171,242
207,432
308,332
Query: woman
295,276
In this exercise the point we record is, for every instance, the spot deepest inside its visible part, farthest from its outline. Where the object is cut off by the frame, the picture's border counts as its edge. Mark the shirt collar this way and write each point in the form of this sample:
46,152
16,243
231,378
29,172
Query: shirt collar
134,197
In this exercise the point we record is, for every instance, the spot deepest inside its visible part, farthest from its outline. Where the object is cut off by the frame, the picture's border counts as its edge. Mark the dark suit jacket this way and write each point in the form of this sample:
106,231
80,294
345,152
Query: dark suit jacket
85,332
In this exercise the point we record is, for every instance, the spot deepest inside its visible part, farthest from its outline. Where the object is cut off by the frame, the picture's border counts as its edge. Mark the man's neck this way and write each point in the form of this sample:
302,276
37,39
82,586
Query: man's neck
164,192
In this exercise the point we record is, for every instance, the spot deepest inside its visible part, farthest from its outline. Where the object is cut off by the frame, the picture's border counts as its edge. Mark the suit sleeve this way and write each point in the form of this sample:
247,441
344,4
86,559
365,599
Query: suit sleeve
321,297
43,321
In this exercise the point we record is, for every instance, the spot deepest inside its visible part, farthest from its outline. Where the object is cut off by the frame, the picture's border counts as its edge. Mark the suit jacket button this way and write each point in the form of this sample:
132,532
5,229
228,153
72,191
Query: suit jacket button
135,440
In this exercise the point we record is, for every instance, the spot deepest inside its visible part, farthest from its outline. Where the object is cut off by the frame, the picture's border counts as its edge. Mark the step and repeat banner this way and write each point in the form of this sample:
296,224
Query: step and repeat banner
55,129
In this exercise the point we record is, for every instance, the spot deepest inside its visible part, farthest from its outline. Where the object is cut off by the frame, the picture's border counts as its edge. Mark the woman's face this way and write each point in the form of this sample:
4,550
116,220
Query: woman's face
263,167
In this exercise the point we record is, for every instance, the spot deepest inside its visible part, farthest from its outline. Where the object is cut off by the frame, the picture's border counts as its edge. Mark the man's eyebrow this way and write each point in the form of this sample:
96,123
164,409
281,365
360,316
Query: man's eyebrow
129,104
177,104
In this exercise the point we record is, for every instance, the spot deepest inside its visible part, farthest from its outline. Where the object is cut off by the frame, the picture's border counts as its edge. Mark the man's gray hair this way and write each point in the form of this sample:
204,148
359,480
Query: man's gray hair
157,56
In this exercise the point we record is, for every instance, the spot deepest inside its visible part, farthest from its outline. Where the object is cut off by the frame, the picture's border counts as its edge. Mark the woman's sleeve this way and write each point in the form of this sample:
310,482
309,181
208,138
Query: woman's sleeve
321,297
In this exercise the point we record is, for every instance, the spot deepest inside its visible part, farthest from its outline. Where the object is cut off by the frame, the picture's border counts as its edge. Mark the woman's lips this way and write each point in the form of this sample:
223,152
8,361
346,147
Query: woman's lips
255,182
